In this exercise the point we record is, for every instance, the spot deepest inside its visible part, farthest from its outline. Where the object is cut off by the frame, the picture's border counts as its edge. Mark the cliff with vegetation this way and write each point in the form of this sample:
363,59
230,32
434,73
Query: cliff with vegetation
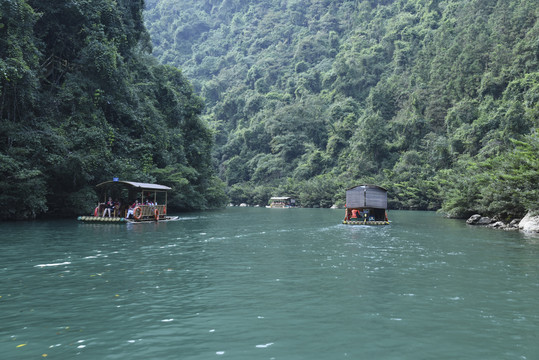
436,100
83,101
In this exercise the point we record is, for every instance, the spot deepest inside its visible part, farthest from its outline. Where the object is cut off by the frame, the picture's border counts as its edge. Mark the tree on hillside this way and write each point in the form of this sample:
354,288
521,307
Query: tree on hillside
83,101
446,83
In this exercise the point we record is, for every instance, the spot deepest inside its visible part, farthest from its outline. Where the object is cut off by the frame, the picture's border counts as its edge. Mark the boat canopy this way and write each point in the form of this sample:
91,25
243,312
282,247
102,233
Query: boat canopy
362,196
137,185
281,198
367,186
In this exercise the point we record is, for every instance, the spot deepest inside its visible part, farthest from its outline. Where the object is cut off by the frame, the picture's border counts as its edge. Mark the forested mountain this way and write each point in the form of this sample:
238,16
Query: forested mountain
82,101
437,100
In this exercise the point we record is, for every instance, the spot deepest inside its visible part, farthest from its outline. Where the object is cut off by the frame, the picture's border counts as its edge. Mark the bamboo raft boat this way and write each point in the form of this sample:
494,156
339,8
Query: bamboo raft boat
281,202
149,203
366,205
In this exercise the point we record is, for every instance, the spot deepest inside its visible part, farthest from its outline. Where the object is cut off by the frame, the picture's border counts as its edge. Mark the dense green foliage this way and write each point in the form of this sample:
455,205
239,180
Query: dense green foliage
82,100
437,100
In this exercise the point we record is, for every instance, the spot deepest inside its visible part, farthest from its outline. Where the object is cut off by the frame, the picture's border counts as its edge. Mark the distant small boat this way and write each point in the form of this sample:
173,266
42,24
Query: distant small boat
281,202
149,203
366,205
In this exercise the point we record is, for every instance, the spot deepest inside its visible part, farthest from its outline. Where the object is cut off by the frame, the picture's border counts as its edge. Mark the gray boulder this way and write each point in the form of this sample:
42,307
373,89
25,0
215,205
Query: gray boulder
530,222
498,225
485,221
513,225
473,219
479,220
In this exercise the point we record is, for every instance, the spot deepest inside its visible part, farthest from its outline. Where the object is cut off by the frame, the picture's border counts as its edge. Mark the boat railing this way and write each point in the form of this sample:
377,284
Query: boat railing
146,212
149,211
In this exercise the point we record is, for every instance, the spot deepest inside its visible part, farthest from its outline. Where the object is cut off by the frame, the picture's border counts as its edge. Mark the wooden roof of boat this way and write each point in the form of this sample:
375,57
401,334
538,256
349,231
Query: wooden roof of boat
138,185
367,186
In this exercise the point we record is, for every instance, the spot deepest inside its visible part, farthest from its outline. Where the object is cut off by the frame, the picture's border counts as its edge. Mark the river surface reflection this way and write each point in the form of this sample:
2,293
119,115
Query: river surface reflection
254,283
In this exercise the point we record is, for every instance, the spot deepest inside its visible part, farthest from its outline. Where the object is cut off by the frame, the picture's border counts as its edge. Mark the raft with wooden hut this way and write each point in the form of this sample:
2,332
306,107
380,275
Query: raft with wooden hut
149,203
366,205
281,202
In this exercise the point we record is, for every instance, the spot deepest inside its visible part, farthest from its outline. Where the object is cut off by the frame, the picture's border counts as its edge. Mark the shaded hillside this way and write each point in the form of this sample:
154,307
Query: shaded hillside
81,101
435,100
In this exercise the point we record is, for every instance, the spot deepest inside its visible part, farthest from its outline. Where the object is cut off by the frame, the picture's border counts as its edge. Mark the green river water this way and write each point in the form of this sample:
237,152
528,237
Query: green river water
256,283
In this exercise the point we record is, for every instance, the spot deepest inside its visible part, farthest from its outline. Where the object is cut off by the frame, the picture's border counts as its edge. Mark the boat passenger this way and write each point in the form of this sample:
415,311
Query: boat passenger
354,214
109,205
117,206
131,209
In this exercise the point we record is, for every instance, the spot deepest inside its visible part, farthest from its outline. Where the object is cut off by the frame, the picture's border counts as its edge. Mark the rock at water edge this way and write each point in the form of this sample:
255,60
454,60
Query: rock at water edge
473,219
530,222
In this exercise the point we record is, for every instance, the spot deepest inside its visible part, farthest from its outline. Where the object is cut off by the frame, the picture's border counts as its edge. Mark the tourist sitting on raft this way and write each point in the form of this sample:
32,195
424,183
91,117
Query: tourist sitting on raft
131,209
109,206
356,215
353,214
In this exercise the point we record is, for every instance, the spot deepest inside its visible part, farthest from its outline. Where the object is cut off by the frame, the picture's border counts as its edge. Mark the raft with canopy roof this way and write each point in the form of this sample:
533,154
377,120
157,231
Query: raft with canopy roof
366,205
130,202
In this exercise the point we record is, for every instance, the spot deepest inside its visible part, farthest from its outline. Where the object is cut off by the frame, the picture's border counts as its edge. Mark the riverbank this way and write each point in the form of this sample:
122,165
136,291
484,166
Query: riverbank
528,224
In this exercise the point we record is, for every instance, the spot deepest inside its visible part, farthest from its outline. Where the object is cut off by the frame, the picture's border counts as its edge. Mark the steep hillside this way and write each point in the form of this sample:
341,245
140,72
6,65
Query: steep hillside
82,101
435,100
